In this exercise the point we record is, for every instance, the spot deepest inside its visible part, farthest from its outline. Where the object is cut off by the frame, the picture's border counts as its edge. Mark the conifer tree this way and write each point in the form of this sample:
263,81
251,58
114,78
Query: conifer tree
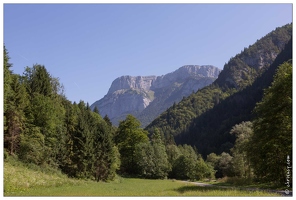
14,114
6,82
107,120
39,80
96,110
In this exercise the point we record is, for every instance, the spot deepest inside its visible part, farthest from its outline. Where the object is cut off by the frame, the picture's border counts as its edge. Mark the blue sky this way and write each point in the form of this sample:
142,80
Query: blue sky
89,45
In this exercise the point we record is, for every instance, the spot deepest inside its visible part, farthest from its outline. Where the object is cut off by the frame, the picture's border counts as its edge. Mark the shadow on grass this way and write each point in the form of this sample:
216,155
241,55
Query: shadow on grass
195,188
220,191
254,185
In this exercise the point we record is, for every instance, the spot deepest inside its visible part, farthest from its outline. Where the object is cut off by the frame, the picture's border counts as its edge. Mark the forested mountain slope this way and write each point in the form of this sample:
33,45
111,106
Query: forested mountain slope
189,121
242,70
209,132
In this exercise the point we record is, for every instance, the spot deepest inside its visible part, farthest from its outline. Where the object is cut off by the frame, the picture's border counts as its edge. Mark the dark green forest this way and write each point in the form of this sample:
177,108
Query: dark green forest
240,126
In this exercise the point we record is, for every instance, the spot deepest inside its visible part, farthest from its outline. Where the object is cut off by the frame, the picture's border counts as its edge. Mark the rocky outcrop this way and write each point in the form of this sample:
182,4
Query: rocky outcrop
130,82
244,68
185,72
147,96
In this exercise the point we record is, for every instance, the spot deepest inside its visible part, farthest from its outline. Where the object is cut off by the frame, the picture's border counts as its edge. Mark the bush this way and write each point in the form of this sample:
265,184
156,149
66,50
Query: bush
238,181
5,154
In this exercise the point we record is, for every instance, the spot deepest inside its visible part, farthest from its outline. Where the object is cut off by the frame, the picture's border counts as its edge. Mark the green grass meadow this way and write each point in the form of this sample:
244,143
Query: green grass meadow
21,180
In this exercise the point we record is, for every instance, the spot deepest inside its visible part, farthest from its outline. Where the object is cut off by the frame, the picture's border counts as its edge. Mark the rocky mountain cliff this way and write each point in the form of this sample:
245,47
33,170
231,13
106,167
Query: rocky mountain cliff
147,96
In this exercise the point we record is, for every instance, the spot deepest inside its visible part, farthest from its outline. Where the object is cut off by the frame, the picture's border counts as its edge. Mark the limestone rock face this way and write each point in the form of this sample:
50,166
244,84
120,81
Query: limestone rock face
187,71
130,82
147,96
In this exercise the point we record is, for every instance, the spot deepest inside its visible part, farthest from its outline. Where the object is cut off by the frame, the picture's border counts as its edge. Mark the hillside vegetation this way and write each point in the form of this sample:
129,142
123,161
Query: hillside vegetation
20,177
204,119
209,132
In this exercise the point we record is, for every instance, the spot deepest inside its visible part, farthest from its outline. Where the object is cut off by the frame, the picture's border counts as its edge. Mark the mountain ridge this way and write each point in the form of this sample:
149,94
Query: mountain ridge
133,94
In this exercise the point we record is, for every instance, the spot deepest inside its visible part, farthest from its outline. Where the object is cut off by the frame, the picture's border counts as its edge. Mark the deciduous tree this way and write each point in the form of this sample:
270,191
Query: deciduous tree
129,134
241,162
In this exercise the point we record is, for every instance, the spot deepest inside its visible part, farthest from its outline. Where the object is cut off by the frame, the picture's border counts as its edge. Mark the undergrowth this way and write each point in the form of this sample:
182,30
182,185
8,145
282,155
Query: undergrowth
19,176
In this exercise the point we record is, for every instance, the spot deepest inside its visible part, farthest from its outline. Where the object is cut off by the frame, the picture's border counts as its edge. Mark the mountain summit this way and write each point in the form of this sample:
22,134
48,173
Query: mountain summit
147,96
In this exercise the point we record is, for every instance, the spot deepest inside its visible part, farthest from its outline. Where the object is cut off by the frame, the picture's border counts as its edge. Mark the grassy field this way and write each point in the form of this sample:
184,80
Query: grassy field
21,180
